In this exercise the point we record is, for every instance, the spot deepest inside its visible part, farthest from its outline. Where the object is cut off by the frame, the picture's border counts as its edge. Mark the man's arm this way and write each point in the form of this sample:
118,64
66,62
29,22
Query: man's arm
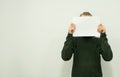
105,48
67,48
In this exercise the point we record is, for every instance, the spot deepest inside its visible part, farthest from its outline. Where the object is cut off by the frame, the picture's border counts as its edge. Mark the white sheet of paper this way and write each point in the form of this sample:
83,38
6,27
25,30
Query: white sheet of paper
86,26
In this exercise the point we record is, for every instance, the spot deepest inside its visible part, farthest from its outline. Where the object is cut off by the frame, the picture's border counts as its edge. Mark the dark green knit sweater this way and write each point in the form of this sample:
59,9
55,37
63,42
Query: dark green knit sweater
86,53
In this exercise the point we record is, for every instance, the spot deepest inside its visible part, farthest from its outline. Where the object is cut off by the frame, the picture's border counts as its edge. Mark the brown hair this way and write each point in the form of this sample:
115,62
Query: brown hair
86,14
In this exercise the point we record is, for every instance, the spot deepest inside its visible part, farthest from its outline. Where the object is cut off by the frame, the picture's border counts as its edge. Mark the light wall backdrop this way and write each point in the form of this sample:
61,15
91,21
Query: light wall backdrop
33,32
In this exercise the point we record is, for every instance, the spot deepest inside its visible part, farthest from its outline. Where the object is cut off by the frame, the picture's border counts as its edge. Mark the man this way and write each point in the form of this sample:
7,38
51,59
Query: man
87,51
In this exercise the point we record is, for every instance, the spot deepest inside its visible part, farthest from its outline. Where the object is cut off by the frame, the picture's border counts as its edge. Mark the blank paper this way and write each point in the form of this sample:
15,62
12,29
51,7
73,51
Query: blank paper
86,26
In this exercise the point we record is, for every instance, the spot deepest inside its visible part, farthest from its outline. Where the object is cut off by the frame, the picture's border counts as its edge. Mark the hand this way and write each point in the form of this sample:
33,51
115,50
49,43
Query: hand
101,28
72,28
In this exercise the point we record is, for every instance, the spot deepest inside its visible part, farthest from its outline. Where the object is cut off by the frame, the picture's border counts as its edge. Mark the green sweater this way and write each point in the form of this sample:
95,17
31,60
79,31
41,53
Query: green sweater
86,53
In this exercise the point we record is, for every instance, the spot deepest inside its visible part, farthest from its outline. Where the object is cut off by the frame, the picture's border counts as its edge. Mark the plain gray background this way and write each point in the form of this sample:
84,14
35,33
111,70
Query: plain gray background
32,34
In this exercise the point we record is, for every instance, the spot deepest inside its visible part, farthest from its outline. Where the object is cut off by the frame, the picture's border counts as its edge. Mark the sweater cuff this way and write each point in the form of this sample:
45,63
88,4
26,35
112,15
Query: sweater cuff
69,36
103,35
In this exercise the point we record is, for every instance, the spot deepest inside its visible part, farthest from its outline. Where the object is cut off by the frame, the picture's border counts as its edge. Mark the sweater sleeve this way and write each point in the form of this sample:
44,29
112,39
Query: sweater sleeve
105,48
67,50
